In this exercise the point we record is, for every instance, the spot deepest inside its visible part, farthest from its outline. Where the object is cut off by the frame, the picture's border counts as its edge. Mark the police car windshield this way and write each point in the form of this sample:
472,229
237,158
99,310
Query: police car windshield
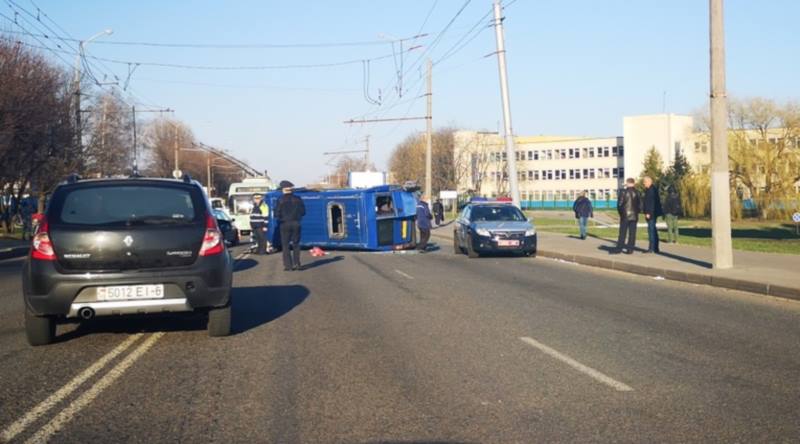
500,213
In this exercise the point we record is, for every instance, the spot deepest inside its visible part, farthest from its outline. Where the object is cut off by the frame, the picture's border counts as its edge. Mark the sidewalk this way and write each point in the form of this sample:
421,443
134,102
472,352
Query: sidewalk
11,248
766,273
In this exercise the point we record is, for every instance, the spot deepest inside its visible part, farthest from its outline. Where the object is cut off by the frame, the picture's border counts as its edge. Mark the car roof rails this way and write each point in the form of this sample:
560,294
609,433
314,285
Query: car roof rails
187,178
135,173
73,178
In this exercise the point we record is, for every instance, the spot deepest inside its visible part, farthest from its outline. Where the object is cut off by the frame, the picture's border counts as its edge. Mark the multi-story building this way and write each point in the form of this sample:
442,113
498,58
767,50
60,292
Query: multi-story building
554,170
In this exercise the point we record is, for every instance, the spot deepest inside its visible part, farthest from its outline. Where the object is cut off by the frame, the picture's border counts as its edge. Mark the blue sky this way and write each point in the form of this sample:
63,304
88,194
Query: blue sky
575,67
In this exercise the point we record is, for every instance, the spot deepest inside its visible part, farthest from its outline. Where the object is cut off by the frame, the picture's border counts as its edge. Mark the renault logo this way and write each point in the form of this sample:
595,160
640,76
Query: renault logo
128,241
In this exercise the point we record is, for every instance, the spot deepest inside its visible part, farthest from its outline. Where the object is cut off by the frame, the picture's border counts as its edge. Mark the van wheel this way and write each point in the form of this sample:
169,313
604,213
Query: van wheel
40,330
471,253
219,321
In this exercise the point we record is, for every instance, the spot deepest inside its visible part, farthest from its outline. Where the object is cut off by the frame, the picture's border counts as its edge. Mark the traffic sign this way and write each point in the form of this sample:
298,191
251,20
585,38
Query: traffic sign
796,218
177,174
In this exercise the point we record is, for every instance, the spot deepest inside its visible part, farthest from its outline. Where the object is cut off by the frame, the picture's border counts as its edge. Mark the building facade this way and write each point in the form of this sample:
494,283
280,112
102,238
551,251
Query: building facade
553,170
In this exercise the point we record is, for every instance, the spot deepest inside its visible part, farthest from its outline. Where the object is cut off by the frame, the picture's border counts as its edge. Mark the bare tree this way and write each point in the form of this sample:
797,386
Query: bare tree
407,162
110,148
161,139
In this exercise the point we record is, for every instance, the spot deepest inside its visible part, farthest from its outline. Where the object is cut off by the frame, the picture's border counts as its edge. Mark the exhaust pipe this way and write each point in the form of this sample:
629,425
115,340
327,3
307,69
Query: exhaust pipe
86,313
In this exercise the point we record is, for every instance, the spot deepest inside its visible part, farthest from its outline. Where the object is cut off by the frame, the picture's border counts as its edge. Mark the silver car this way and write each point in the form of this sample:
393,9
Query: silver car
493,227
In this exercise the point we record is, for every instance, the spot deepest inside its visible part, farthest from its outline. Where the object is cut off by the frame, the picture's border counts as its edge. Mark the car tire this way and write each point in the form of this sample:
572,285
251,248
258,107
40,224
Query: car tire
219,321
471,253
456,248
40,330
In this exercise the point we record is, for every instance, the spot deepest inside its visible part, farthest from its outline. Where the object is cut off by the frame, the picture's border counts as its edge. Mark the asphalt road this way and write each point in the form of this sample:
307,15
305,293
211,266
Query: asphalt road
364,348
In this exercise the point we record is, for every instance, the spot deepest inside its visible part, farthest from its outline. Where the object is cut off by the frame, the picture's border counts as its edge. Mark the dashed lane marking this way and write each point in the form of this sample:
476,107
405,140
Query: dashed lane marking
592,373
405,275
43,407
66,415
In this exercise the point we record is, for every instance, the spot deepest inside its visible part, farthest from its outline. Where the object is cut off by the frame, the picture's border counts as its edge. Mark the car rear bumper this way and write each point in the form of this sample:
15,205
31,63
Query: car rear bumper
486,244
205,284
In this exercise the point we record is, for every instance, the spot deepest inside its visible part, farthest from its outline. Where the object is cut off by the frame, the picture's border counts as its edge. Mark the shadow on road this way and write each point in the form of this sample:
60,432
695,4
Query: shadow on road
251,308
245,264
321,262
256,306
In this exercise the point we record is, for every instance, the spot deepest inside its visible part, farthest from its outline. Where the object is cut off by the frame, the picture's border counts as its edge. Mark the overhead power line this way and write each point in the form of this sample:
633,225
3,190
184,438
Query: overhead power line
248,45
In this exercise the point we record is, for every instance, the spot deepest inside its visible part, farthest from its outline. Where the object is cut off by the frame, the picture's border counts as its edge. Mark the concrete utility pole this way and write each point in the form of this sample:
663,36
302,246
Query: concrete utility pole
366,153
429,137
509,132
720,173
208,171
175,146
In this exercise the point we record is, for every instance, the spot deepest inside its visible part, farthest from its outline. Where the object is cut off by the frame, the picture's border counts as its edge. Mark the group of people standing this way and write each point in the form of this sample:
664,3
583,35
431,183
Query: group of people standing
288,212
631,204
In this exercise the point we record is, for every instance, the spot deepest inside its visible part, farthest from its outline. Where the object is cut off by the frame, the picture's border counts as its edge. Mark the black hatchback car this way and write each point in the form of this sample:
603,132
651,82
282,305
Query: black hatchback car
126,246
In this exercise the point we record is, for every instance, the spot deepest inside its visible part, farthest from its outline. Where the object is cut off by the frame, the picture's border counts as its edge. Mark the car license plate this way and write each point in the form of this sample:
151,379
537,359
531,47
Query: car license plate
125,292
507,243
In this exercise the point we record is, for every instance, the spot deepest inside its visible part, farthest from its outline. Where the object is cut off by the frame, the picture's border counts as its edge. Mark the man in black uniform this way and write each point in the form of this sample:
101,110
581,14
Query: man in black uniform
289,211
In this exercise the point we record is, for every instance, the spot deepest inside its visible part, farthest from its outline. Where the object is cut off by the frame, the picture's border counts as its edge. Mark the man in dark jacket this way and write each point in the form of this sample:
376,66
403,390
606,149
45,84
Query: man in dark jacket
652,210
672,211
423,224
290,209
438,212
583,211
629,204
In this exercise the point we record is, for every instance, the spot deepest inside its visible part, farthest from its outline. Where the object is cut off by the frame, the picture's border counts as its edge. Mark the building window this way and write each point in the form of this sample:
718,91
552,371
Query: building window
614,151
549,174
591,152
530,155
536,155
563,153
621,151
558,174
606,151
615,173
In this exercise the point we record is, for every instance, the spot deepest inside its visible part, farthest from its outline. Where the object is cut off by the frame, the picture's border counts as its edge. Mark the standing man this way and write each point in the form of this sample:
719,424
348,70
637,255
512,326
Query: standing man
629,204
423,224
438,212
259,216
672,211
289,211
652,210
583,211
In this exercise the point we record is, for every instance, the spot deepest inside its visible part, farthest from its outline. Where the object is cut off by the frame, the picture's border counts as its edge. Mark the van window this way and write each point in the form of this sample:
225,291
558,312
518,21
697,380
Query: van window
336,225
384,206
127,205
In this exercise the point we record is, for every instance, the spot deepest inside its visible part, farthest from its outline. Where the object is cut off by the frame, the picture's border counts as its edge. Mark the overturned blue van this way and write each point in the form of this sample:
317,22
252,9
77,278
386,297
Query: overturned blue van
379,219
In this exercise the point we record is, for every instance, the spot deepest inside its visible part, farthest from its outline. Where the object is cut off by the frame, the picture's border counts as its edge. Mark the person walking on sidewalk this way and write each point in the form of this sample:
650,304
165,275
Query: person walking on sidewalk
629,205
583,211
290,209
652,210
423,224
438,212
672,211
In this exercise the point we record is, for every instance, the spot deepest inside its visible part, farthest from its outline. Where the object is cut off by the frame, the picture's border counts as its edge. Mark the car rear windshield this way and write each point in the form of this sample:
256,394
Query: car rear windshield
126,205
499,213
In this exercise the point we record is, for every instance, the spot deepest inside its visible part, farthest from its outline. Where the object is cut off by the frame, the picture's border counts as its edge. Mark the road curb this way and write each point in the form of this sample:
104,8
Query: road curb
673,275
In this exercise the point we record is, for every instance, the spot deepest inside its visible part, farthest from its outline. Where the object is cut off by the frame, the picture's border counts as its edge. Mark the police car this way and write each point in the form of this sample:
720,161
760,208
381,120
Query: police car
493,227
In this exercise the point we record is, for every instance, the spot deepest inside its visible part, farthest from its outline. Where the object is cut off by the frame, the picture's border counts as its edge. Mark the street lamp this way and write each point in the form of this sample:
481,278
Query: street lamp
81,45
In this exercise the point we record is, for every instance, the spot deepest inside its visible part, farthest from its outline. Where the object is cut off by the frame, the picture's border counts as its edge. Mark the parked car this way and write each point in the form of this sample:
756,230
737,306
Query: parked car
228,228
112,247
493,227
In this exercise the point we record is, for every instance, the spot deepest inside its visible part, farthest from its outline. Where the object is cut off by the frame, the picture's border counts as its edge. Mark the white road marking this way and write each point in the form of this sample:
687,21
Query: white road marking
22,423
600,377
405,275
66,415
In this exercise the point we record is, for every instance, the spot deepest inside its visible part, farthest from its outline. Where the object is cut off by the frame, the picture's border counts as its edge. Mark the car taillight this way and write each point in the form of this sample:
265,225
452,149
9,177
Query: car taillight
42,247
212,240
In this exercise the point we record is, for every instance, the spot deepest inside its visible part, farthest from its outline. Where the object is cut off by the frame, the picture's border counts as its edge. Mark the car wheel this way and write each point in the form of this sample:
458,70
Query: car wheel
471,253
219,321
40,330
